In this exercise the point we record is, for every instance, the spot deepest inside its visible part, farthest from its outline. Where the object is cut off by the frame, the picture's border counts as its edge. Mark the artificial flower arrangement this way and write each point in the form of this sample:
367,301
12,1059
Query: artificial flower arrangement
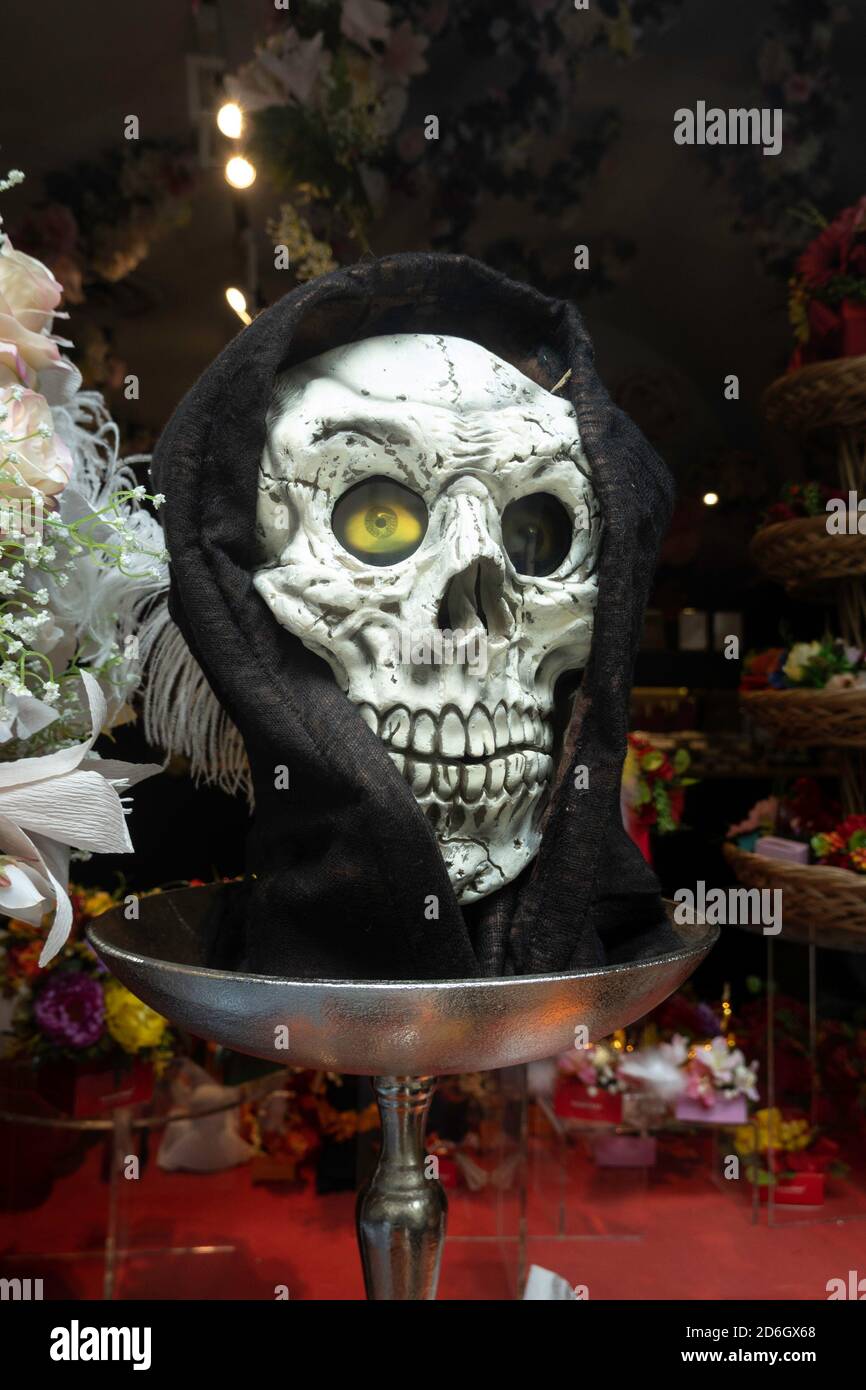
654,784
321,100
80,559
73,1009
783,1150
823,1065
805,814
703,1080
285,1129
678,1072
827,299
803,811
596,1067
717,1069
826,665
843,847
798,500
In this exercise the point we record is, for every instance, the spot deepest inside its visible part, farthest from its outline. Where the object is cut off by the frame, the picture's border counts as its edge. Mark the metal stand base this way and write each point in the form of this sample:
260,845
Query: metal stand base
401,1214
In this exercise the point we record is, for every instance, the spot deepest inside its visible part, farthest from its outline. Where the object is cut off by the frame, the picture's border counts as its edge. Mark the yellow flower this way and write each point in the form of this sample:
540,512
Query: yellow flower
131,1023
98,902
798,658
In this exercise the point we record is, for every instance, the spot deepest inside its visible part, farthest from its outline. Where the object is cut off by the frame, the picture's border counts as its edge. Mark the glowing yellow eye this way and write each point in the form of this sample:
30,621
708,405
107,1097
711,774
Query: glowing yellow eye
380,521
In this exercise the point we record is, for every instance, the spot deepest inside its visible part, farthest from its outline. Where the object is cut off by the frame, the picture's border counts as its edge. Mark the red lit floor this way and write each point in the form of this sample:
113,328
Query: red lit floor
668,1232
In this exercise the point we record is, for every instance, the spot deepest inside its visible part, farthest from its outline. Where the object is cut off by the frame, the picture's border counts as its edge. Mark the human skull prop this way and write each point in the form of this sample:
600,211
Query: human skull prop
428,526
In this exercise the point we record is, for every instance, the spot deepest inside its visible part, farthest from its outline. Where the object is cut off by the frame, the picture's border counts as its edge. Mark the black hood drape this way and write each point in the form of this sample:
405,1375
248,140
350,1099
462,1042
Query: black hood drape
345,877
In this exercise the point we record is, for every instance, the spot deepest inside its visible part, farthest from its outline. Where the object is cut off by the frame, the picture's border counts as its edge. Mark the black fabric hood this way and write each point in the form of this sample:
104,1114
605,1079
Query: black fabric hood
345,879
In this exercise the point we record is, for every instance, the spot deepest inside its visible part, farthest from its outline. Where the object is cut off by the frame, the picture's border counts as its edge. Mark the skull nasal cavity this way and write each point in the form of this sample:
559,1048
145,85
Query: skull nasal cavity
469,597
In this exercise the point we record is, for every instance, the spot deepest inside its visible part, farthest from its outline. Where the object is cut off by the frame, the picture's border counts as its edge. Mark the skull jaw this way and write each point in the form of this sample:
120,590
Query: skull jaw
487,843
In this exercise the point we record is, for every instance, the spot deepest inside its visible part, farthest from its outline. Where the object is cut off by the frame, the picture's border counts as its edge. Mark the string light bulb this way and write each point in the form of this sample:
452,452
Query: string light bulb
236,299
230,120
240,173
710,499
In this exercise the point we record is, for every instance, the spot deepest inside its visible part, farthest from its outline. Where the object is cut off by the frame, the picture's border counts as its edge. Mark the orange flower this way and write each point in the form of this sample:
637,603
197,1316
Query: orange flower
22,960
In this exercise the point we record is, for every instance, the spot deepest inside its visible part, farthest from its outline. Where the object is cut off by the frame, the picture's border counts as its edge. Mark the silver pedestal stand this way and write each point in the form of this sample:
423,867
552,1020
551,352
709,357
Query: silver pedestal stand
404,1034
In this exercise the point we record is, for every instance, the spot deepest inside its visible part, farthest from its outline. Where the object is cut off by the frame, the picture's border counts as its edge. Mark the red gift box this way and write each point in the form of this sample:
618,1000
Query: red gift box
99,1092
572,1101
91,1090
796,1190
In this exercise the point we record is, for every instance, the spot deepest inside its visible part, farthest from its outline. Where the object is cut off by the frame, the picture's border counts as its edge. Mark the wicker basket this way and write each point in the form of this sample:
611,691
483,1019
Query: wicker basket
830,901
800,554
810,718
820,396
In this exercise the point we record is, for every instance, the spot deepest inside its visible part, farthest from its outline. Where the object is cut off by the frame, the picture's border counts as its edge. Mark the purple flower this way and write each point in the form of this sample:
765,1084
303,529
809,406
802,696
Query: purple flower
70,1010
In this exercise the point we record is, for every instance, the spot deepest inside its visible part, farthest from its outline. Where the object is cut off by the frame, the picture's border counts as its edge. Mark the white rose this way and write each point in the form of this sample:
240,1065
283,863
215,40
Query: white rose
31,455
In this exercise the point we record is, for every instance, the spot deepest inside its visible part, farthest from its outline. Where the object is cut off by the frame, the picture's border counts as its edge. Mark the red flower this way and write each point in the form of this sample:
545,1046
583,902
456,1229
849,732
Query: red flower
760,668
849,826
829,254
780,511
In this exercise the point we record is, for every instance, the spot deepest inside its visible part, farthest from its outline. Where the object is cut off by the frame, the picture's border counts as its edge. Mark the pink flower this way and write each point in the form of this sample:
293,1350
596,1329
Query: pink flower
404,56
35,350
32,456
13,369
761,817
29,289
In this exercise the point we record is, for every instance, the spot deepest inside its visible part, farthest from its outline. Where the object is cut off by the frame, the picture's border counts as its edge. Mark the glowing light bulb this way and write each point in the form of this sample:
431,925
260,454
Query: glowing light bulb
236,300
240,173
710,499
230,120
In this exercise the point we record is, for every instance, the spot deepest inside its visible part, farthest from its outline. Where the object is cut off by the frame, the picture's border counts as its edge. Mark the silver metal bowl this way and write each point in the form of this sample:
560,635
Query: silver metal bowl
382,1028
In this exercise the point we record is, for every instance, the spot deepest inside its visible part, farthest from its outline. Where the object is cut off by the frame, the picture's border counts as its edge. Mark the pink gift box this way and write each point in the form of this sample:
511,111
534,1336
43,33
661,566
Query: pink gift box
775,847
722,1112
625,1151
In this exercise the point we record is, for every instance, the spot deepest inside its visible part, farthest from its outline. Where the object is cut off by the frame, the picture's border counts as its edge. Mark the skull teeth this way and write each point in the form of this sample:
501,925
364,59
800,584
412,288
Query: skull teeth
500,778
419,775
452,736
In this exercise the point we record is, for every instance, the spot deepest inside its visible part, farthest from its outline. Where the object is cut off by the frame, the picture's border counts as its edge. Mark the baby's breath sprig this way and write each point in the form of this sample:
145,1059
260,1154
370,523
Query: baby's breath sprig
29,564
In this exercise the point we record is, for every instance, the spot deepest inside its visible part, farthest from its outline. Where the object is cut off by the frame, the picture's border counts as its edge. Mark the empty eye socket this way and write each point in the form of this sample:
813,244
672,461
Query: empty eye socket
536,531
379,521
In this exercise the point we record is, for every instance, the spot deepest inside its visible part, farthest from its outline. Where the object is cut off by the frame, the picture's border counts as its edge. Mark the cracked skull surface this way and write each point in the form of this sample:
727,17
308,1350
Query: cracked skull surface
428,526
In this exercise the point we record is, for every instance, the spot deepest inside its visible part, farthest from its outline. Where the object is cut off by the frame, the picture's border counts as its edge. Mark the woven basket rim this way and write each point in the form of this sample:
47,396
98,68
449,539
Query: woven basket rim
806,696
806,524
814,371
827,875
795,391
